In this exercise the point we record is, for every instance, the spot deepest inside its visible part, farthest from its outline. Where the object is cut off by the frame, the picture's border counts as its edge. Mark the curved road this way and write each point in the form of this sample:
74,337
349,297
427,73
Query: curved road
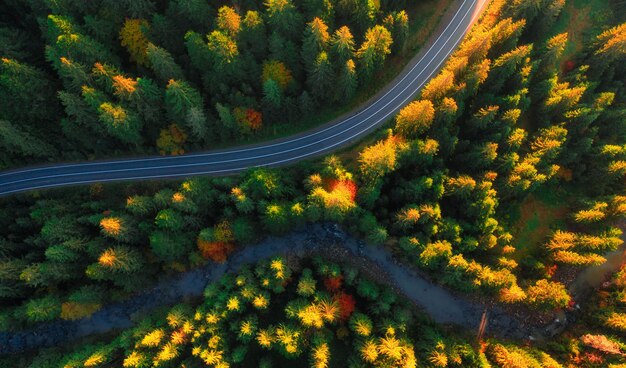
307,145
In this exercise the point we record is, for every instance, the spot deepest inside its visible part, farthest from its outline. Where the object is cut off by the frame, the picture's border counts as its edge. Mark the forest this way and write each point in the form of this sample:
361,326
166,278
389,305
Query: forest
139,76
501,180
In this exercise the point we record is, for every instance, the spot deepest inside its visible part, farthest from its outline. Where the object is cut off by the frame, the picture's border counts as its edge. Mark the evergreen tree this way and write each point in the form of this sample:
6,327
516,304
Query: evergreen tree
283,17
163,64
22,144
132,36
374,49
314,41
321,77
347,82
342,45
228,21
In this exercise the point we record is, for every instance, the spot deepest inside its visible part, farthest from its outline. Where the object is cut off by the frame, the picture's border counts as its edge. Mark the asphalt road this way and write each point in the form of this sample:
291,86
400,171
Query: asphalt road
313,143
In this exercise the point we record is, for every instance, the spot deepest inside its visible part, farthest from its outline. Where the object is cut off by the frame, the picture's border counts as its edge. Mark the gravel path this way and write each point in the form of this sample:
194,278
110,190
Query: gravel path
436,301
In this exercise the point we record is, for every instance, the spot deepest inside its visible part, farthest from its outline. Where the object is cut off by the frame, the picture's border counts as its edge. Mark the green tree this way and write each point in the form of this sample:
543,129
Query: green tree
320,79
253,34
29,97
43,309
415,118
314,41
283,17
347,82
184,104
324,9
22,144
170,247
163,64
272,95
374,50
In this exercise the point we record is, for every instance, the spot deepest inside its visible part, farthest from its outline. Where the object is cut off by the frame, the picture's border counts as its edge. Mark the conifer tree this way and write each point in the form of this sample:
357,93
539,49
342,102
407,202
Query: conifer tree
132,36
228,21
314,41
342,45
374,50
163,64
347,82
321,77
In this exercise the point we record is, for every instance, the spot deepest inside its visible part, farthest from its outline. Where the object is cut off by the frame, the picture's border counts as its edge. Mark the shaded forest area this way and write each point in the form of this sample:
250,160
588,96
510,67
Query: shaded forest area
511,118
319,314
102,78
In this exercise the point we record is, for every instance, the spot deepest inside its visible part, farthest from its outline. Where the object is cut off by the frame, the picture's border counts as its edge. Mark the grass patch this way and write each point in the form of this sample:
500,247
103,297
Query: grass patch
582,20
424,16
535,218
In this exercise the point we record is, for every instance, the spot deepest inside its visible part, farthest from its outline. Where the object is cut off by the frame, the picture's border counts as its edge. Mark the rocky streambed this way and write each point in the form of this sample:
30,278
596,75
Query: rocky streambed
440,304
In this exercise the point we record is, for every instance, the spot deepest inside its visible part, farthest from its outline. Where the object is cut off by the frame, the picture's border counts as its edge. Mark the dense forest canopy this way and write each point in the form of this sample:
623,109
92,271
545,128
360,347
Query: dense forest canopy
80,79
274,315
504,177
313,313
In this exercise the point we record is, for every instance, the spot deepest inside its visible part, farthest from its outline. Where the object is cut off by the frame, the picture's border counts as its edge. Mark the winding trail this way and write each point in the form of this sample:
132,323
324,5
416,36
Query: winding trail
330,137
441,305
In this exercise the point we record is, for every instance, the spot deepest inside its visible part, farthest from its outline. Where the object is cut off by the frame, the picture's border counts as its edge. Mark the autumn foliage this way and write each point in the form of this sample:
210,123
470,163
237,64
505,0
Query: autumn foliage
278,72
347,305
171,140
215,251
133,38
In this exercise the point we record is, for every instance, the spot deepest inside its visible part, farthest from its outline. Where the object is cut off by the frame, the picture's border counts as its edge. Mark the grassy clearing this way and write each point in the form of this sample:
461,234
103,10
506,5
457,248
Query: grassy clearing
424,16
535,218
582,20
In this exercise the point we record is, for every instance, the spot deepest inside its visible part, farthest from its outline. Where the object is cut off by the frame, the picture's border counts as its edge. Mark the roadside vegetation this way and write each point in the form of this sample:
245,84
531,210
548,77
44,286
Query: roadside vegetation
147,77
505,170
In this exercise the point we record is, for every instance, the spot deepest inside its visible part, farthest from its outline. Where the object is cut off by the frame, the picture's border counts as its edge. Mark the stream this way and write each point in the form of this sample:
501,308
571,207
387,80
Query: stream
440,304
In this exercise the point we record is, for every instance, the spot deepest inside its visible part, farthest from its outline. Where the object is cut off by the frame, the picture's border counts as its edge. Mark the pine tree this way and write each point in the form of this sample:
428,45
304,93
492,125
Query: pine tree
342,45
253,34
612,43
374,50
198,51
272,95
180,98
548,294
163,64
22,144
120,123
321,77
377,160
314,41
65,39
283,17
29,97
324,9
43,309
415,119
277,71
347,82
228,21
132,36
223,49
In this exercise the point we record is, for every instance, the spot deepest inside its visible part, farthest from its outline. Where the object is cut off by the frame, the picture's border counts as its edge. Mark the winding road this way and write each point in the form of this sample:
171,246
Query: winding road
332,136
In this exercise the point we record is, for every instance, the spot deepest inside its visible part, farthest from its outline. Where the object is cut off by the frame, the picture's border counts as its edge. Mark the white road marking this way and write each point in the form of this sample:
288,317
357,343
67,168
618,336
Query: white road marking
237,169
